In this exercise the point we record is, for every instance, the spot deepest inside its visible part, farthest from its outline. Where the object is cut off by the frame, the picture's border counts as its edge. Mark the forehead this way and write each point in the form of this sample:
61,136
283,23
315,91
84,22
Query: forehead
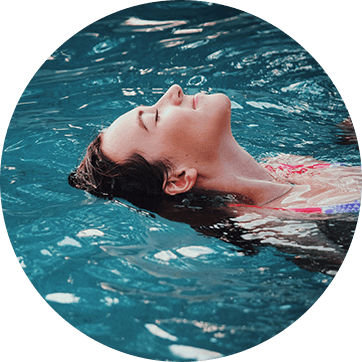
122,120
119,139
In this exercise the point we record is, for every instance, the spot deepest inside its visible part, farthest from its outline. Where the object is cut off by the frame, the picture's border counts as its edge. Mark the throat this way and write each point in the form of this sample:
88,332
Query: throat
238,162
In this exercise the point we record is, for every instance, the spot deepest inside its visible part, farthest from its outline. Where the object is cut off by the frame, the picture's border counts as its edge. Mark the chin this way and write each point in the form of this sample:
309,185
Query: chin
219,109
223,105
223,101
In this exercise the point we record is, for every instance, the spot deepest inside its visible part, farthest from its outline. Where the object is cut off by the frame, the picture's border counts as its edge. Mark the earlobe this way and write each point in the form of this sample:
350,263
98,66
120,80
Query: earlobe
180,182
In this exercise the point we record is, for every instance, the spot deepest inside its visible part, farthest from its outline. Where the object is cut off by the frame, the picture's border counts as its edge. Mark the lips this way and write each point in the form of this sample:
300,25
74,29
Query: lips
195,100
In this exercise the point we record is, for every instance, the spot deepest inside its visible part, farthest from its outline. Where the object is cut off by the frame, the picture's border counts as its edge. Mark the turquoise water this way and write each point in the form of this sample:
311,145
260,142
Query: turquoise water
143,284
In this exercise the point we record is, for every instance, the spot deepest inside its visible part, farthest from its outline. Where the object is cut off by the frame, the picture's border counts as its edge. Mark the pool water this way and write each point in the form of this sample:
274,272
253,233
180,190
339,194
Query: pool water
140,283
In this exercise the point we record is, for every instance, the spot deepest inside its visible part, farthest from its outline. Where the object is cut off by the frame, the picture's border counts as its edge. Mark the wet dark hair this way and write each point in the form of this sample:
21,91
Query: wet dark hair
136,180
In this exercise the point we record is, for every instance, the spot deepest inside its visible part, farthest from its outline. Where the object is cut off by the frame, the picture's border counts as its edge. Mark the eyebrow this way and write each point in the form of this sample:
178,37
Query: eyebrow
140,121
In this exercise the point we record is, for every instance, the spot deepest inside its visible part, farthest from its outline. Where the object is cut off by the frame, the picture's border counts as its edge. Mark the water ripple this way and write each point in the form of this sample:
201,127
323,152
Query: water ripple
106,266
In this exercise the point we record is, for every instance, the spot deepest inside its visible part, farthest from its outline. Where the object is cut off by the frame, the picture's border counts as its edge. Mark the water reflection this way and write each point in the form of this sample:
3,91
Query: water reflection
142,25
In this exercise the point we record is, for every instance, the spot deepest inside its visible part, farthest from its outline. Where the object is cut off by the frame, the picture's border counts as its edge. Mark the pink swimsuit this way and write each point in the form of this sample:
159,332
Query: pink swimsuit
299,169
351,207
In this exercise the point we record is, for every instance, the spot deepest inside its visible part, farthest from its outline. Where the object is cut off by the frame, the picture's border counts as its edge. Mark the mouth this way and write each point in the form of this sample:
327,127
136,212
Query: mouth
195,100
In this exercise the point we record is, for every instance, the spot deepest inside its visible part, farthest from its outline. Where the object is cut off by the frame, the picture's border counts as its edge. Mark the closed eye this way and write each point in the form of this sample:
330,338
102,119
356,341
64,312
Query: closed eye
156,117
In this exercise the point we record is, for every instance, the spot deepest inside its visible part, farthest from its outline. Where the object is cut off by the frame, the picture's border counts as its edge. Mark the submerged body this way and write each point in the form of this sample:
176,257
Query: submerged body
316,183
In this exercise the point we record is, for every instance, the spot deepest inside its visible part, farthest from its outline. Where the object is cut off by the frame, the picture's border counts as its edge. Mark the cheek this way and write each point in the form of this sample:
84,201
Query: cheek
176,126
187,132
176,142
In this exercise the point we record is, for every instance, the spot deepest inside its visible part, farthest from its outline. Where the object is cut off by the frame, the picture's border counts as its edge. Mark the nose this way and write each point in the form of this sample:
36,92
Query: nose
173,96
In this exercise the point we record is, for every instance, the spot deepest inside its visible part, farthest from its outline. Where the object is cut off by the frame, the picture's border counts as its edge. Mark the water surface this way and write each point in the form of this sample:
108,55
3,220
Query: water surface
146,285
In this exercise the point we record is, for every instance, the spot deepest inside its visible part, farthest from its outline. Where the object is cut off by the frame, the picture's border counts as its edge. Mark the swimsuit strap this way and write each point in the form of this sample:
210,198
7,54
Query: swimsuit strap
351,207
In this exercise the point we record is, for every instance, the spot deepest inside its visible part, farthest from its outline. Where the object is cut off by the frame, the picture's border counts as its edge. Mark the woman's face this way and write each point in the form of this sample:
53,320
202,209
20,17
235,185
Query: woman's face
185,129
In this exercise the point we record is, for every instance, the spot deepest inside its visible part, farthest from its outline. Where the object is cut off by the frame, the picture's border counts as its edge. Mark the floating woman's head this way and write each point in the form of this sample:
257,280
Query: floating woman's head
153,151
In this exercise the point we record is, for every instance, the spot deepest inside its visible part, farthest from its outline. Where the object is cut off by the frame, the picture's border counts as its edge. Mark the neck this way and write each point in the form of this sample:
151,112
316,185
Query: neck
235,171
240,163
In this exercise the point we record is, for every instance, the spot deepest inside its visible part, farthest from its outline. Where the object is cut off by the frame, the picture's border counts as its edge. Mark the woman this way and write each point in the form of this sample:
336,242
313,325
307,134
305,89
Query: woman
184,144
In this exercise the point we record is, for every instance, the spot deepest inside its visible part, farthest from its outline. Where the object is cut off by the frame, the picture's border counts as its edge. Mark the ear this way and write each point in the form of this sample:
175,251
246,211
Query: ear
181,181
